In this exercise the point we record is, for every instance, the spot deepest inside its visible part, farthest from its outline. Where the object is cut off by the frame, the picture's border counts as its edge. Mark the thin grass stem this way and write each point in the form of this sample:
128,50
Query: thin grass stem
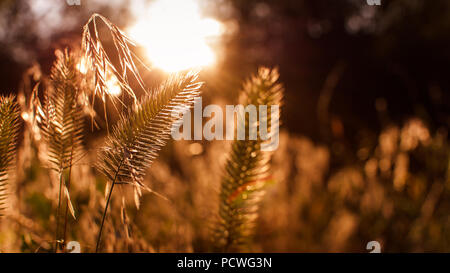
58,211
106,207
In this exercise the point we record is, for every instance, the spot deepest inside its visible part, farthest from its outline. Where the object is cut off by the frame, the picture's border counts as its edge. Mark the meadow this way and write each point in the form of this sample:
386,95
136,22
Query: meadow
87,155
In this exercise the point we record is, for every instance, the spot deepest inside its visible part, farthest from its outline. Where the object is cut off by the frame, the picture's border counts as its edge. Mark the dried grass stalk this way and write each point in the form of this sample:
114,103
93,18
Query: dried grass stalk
247,169
136,139
9,125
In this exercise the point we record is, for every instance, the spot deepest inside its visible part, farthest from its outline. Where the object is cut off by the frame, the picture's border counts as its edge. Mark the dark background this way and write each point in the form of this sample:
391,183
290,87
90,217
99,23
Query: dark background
349,68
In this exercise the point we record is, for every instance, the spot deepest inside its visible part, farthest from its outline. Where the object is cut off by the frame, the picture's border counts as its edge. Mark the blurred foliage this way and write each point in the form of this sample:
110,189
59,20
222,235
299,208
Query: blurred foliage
397,192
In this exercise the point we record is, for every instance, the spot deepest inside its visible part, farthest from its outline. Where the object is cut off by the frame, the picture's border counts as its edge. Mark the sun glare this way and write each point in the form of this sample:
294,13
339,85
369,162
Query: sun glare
175,35
113,86
112,83
82,66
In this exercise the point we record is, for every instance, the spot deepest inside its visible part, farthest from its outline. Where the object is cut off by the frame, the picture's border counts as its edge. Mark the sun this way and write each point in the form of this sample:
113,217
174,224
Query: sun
175,35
